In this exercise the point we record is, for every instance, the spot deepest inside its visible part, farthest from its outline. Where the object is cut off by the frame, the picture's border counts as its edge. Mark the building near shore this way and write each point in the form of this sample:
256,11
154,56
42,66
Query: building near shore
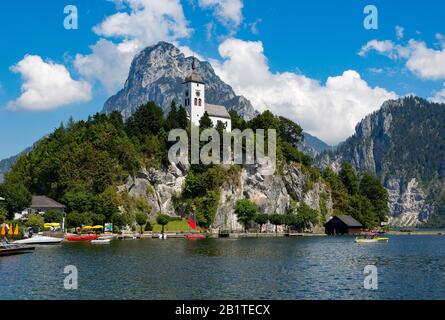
41,205
343,224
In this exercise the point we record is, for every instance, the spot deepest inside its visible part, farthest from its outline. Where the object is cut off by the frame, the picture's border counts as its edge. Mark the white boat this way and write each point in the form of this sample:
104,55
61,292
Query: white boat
101,241
39,239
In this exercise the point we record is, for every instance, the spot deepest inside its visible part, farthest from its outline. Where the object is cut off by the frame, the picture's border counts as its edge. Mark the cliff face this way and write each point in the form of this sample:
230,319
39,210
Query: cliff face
156,74
271,193
402,143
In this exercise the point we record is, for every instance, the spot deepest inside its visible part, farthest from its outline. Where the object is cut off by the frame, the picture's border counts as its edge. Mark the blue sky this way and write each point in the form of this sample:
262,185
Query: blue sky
289,48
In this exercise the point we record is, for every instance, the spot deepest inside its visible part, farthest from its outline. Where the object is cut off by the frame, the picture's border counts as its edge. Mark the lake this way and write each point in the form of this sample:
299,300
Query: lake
409,267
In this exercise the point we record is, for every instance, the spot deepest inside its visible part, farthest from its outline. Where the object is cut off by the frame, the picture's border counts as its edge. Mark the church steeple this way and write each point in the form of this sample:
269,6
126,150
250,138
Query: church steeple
194,94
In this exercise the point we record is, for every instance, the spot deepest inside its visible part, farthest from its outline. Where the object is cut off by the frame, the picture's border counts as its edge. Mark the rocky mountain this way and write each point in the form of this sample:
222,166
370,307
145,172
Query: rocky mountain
271,193
404,144
313,146
156,74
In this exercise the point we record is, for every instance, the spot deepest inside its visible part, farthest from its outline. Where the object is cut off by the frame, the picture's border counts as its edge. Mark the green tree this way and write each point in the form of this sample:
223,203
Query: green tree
141,219
76,219
35,221
3,214
182,118
363,211
289,219
78,199
205,122
172,118
16,196
118,219
246,211
277,220
162,220
306,217
349,178
371,188
53,216
237,121
261,219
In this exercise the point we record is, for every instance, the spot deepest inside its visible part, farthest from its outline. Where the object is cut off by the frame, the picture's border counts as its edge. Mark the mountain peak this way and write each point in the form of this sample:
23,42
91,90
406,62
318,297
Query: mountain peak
156,74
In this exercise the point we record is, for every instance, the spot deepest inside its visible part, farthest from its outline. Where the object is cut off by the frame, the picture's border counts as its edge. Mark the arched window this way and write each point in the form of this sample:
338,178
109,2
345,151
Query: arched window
199,102
196,101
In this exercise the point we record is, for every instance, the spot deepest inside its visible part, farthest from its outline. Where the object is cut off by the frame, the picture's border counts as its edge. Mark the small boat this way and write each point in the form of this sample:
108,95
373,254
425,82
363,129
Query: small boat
195,236
371,237
39,239
101,241
9,249
87,237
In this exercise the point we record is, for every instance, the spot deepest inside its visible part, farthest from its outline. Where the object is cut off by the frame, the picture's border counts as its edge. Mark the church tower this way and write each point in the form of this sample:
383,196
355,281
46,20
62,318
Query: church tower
194,95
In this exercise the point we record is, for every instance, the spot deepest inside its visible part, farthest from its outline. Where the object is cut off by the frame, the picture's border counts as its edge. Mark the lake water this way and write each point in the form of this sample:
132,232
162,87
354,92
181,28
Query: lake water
409,267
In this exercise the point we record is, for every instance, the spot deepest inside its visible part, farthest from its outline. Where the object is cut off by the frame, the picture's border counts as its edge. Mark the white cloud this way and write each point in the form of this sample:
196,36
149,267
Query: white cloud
424,62
254,26
146,23
228,12
400,32
439,96
108,63
330,111
47,85
386,47
149,21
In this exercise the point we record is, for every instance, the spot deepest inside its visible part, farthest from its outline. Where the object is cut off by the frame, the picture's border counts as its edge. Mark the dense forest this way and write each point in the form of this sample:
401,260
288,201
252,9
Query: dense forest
81,164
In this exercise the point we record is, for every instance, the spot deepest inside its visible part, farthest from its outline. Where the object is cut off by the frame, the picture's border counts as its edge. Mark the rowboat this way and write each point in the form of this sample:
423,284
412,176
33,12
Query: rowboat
371,237
195,236
39,239
8,249
101,241
75,237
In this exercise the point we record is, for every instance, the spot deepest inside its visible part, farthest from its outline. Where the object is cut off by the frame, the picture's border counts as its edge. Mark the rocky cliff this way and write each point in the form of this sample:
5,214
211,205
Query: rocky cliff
271,193
156,74
404,144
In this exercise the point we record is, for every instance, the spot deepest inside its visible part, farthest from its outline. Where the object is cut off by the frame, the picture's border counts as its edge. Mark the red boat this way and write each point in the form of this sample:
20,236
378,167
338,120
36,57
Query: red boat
195,236
87,237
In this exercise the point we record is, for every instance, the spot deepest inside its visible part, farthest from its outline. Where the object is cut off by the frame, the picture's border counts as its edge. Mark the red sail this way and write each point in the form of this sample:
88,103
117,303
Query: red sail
192,222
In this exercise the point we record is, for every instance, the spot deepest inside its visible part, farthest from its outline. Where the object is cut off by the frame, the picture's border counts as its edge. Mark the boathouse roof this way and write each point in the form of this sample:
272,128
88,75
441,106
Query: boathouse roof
42,202
349,221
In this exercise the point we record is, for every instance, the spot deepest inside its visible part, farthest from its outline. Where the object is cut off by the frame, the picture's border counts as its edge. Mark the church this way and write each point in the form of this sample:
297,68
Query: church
195,104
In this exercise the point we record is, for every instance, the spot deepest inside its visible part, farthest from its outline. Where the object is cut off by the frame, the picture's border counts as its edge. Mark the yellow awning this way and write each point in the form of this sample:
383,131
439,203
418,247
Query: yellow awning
53,224
88,227
97,227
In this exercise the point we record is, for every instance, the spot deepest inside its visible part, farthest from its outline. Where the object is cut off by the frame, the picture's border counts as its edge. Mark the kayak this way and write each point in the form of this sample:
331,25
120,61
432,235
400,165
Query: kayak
74,237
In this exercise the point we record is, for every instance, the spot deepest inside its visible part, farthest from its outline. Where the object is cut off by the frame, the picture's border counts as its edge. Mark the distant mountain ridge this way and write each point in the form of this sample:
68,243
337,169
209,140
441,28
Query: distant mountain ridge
404,144
156,74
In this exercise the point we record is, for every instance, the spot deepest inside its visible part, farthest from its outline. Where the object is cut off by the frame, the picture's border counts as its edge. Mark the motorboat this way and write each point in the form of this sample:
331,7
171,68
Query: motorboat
371,237
39,239
81,237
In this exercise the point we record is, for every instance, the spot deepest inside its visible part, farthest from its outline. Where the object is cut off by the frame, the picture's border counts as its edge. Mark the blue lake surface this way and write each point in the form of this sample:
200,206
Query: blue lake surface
409,267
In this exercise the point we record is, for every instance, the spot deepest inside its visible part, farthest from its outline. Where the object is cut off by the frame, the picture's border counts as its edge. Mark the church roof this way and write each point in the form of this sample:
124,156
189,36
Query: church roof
215,110
194,77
